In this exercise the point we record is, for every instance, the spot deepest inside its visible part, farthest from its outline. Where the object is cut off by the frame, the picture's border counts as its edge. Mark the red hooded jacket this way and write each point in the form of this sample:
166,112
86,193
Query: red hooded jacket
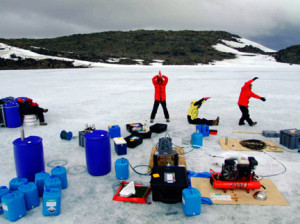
160,89
246,94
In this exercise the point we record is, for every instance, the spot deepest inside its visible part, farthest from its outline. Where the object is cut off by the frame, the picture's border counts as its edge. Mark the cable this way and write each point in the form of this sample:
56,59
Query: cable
253,144
272,175
145,174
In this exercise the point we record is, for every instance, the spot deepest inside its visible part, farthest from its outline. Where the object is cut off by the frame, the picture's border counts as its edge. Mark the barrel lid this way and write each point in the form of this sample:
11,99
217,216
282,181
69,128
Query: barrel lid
11,104
97,134
28,141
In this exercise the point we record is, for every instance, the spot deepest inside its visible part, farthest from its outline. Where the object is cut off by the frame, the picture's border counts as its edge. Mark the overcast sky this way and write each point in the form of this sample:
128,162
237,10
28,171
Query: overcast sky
273,23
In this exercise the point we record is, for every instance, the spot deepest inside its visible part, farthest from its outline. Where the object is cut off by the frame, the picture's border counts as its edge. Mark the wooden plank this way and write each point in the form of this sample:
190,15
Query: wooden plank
234,144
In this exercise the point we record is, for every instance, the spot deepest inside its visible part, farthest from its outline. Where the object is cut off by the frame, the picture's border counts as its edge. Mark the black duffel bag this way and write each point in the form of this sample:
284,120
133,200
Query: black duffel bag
158,128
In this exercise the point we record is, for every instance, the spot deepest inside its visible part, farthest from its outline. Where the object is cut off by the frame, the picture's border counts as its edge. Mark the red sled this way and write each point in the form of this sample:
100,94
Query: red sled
233,184
142,193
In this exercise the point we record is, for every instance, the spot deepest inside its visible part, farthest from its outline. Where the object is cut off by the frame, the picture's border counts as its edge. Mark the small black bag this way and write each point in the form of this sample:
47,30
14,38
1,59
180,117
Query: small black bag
158,128
133,141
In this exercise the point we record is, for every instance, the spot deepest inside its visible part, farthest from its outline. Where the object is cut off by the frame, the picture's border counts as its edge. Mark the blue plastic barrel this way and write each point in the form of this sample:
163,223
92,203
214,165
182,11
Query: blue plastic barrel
40,181
51,201
29,157
98,153
31,195
61,173
12,115
14,206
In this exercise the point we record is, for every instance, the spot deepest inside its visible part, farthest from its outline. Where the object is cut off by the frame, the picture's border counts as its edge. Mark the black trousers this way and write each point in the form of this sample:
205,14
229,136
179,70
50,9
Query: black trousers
199,121
245,115
35,110
155,107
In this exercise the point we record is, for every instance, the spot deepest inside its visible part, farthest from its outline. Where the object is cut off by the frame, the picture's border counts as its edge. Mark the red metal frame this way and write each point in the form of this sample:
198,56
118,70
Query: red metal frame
235,184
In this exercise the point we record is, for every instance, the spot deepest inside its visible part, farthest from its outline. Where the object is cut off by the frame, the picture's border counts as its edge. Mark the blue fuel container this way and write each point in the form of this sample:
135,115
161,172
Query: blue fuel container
197,140
122,169
14,206
61,173
12,115
51,201
3,191
52,182
40,181
16,182
98,153
120,146
31,195
29,156
191,201
114,131
203,128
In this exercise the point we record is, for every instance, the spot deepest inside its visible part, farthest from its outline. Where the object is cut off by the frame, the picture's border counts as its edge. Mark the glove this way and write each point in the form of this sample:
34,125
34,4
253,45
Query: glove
255,78
263,99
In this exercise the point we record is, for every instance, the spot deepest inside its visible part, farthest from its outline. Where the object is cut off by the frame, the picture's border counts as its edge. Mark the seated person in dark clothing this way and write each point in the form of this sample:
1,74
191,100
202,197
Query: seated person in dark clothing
193,114
29,107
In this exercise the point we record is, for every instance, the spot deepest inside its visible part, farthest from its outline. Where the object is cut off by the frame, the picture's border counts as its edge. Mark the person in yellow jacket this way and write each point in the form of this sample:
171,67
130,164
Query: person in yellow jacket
193,114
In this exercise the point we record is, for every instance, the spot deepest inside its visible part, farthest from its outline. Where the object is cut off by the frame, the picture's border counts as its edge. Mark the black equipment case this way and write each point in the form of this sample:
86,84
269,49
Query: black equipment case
168,182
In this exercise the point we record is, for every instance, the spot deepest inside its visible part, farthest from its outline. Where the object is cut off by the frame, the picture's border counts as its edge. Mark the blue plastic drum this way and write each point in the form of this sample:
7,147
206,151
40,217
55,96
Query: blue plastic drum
12,115
98,153
29,157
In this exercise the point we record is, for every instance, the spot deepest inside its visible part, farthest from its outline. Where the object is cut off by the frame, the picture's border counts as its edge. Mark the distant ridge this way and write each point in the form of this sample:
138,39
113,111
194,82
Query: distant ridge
132,47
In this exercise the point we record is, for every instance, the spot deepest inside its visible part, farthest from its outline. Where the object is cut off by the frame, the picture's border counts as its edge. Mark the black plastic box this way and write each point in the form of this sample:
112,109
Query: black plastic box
168,182
133,141
144,134
133,126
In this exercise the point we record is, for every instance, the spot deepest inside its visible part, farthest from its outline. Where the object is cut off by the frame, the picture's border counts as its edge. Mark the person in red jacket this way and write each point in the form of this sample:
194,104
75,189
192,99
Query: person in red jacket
160,81
243,102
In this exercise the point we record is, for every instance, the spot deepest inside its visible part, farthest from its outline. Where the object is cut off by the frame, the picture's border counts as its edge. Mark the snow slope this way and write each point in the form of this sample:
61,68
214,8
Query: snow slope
124,94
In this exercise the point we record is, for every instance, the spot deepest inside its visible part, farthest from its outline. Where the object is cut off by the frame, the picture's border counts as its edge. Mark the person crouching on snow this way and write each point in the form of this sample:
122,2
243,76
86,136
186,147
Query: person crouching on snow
29,107
243,102
193,114
160,81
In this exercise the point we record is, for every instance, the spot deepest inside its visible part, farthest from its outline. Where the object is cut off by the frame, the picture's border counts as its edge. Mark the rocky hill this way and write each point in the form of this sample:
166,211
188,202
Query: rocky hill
289,55
132,47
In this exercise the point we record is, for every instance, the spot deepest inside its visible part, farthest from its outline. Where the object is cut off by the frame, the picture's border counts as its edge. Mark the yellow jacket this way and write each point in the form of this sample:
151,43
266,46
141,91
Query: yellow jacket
195,105
193,110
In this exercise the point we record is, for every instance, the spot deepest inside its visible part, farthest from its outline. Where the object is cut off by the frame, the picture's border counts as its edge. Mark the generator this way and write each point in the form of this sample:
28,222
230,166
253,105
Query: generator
236,173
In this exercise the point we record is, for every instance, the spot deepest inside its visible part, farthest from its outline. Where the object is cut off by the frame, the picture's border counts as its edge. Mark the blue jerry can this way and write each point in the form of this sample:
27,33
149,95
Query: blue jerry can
191,201
122,169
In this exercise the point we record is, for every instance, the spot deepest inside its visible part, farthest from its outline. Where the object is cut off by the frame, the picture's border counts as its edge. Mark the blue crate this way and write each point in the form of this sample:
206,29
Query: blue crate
203,128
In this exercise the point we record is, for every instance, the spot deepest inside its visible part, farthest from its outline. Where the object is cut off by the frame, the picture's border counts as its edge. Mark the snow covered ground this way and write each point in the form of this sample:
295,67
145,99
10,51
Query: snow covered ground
124,94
